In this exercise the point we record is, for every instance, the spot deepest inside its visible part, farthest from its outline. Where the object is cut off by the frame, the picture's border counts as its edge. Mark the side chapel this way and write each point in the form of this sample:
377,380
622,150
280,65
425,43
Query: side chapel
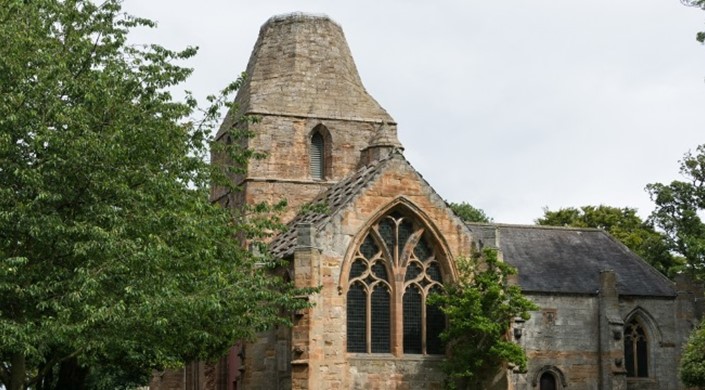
386,240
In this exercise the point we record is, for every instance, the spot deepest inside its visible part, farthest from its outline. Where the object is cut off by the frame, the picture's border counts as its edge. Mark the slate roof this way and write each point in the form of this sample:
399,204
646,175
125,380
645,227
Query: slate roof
332,200
569,260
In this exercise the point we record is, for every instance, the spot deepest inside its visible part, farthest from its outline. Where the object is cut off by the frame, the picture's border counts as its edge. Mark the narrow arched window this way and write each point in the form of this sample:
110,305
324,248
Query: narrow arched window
547,382
394,270
636,350
317,156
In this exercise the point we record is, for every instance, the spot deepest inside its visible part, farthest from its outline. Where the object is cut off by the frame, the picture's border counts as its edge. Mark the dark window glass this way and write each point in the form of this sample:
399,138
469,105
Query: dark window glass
406,229
357,268
380,320
548,381
636,350
316,162
434,272
629,356
412,271
412,320
379,270
369,248
422,250
357,307
386,229
435,324
641,366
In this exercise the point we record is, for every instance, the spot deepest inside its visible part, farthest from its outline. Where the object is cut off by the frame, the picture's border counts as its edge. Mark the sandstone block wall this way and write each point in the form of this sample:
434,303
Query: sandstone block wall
322,332
564,334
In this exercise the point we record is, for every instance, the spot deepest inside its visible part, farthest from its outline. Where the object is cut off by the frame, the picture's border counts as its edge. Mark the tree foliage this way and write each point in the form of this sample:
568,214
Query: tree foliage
700,36
624,225
692,365
469,213
679,210
480,308
111,255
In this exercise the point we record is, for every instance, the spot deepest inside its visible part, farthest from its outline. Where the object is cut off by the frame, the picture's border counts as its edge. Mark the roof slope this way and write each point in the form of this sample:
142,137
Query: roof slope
569,260
332,200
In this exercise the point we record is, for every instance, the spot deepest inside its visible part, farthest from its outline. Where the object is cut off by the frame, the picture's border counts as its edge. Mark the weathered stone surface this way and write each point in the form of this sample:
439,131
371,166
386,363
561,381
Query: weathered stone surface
302,80
301,66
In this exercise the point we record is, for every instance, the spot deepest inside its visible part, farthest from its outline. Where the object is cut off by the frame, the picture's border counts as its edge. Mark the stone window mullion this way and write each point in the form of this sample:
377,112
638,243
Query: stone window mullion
368,320
423,321
398,320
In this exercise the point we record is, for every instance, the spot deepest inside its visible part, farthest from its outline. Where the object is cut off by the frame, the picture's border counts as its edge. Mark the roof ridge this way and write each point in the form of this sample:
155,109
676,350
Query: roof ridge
528,226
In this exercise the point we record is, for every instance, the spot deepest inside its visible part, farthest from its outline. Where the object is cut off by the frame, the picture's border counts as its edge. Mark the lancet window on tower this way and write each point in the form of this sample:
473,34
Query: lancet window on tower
317,153
636,350
393,272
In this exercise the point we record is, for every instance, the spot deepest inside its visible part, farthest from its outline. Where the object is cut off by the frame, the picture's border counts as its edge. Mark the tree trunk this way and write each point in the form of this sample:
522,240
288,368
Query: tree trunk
17,372
72,376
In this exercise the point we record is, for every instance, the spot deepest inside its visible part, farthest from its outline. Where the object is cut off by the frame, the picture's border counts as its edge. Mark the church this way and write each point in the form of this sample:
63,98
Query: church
367,228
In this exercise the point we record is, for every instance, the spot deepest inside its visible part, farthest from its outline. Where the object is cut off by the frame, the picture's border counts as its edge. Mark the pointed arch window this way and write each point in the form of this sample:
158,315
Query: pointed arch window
317,166
393,272
636,350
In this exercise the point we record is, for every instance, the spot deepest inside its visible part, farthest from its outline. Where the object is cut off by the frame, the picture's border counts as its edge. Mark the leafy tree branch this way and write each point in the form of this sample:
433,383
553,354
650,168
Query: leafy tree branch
480,308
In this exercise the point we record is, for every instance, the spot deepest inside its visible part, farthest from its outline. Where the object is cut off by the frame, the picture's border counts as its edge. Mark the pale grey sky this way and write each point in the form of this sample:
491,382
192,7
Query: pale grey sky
509,105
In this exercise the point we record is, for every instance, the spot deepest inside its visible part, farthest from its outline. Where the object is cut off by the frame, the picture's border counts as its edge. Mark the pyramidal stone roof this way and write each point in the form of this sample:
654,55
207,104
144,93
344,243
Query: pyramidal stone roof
301,66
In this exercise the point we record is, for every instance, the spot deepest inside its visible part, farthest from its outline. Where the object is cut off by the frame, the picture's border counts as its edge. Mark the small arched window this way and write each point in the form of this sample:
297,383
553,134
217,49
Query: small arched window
636,350
394,270
547,381
317,156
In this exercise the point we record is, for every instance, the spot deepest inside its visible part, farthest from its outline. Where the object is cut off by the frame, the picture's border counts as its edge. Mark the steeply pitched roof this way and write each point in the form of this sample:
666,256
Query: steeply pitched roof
331,201
569,260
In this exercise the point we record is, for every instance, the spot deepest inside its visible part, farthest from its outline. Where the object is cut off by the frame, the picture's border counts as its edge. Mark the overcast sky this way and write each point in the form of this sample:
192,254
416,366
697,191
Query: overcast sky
509,105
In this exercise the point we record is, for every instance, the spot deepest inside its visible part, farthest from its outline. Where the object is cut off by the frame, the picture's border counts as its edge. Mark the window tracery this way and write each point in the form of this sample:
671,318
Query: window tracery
392,273
636,350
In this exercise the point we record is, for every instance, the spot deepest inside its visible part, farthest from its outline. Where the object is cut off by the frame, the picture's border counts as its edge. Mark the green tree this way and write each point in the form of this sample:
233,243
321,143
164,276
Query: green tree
679,207
111,255
692,365
480,308
469,213
624,225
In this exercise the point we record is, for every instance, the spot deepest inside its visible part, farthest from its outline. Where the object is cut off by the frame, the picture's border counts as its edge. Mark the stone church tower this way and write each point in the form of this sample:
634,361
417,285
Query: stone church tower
315,115
384,240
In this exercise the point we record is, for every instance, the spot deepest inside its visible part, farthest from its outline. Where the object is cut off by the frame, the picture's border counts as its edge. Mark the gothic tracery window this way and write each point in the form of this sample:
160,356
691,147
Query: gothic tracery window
394,270
636,350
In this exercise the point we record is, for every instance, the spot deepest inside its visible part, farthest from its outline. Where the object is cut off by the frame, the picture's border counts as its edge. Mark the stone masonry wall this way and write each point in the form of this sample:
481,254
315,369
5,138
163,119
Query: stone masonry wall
564,334
665,331
284,172
325,353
